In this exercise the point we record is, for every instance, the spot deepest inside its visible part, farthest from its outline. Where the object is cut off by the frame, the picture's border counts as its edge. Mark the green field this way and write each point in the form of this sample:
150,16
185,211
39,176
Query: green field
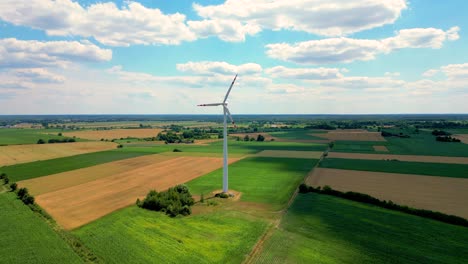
26,238
263,180
299,134
46,167
14,136
325,229
423,143
135,235
235,147
423,168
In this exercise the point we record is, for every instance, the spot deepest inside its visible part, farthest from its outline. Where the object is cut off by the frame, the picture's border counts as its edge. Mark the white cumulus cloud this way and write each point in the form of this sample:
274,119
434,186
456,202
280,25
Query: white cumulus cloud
346,50
304,73
219,67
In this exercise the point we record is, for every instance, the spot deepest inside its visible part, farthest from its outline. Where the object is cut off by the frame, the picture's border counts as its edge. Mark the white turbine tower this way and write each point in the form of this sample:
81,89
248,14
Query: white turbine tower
225,150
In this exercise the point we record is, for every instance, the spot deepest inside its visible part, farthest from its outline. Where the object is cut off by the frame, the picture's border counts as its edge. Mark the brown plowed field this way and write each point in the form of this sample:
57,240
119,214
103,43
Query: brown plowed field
462,137
352,135
80,204
442,194
431,159
380,148
15,154
290,154
67,179
114,133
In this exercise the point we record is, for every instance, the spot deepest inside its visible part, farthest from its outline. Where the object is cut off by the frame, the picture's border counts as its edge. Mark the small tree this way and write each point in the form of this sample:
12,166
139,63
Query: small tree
41,141
13,186
27,199
2,175
22,192
260,138
6,179
246,138
59,134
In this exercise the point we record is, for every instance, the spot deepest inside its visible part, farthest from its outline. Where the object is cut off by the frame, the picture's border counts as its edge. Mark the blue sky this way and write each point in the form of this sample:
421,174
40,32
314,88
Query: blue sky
165,57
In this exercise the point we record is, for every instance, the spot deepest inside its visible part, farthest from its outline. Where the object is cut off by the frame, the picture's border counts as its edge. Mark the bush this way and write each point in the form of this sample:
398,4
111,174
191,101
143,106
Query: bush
28,199
13,186
222,195
22,192
120,146
41,141
260,138
2,175
6,179
177,150
176,200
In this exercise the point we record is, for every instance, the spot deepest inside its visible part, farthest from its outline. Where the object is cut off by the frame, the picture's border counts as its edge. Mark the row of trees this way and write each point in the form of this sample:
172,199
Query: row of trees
365,198
447,139
260,138
55,140
389,134
176,200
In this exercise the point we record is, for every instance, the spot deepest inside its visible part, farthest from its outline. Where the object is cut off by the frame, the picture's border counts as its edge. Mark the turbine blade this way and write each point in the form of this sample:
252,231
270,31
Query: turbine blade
229,90
230,117
215,104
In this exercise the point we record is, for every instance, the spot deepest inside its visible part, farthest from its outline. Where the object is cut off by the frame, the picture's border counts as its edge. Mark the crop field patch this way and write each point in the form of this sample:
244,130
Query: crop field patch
15,154
54,182
352,135
462,137
380,148
80,204
443,194
290,154
326,229
114,133
415,158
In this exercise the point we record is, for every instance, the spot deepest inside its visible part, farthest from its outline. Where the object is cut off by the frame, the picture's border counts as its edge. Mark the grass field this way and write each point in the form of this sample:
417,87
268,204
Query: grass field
25,238
325,229
31,170
299,134
356,146
142,236
261,179
407,167
13,136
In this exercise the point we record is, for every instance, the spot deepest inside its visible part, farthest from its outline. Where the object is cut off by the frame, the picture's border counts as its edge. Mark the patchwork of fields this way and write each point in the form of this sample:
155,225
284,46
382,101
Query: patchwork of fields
78,197
442,194
114,133
15,154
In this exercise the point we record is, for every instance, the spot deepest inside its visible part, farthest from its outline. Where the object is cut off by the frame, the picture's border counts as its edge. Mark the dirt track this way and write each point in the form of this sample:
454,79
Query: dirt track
432,159
114,133
443,194
80,204
15,154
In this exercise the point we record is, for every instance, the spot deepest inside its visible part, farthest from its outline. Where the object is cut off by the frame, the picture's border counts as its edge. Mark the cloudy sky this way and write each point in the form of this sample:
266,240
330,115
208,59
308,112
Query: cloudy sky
292,56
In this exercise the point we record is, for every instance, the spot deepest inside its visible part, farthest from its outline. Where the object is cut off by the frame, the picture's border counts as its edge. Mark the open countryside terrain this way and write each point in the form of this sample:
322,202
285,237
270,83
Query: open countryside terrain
110,134
415,158
14,154
442,194
84,202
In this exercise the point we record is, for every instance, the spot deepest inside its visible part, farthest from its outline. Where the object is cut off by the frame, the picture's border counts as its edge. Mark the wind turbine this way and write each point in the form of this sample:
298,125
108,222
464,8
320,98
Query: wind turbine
226,114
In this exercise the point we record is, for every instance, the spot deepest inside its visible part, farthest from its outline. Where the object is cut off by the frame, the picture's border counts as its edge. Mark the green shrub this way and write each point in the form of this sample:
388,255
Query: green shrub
13,186
177,150
222,195
41,141
22,192
176,200
6,179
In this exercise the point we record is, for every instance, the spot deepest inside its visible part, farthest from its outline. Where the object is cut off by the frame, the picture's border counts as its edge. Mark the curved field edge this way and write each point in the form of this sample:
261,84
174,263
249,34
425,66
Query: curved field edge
26,238
324,229
394,166
143,236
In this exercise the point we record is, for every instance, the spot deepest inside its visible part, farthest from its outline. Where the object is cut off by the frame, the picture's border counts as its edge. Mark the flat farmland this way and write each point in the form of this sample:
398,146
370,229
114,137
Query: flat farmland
15,154
396,166
462,137
352,135
443,194
54,182
416,158
80,204
114,133
326,229
290,154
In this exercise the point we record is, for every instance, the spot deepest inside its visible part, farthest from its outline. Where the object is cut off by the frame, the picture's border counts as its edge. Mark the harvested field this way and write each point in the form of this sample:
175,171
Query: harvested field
114,133
15,154
269,137
50,183
290,154
380,148
352,135
415,158
80,204
442,194
462,137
